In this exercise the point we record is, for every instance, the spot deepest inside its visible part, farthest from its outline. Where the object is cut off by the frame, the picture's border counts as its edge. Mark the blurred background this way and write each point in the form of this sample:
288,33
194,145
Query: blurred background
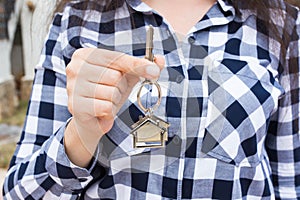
23,27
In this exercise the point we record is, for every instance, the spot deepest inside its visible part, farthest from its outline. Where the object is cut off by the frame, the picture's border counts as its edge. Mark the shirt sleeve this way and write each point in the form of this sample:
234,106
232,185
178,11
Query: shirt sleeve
40,167
283,139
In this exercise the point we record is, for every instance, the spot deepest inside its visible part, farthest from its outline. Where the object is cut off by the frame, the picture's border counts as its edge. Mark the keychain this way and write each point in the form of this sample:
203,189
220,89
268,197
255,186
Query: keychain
149,131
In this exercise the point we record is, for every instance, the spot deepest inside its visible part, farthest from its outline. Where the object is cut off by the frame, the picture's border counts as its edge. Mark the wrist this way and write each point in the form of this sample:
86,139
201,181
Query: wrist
80,149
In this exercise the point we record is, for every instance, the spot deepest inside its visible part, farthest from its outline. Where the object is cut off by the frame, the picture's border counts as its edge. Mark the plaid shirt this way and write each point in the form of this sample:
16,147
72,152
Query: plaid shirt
234,112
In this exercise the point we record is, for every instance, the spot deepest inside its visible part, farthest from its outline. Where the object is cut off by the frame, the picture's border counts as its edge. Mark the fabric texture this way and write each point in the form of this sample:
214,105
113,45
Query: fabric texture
232,103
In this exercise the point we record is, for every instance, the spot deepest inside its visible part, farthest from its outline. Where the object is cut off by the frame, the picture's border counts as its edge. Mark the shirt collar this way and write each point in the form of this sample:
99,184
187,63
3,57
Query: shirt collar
222,12
226,6
138,5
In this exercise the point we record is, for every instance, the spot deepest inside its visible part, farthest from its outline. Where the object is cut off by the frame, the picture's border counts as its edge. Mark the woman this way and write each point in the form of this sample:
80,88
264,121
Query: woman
229,72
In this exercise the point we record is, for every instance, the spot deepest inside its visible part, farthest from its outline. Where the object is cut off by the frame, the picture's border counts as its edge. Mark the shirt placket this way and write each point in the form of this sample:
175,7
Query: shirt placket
179,81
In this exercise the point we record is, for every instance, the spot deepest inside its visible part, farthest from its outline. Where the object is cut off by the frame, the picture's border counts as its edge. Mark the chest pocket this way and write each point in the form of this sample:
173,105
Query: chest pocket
242,96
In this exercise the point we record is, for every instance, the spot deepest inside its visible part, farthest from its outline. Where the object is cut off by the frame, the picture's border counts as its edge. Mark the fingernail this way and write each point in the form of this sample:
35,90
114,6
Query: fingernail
153,70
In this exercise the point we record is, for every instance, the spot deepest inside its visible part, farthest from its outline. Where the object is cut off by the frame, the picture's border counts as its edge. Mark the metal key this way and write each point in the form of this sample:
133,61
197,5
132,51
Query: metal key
149,131
149,44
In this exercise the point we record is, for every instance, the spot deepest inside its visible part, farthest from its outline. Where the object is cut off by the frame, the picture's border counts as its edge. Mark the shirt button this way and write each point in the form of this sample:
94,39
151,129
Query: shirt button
176,140
179,78
191,40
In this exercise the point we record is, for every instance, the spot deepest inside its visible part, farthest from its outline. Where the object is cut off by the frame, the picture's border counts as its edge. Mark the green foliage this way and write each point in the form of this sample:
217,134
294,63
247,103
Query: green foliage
6,152
18,117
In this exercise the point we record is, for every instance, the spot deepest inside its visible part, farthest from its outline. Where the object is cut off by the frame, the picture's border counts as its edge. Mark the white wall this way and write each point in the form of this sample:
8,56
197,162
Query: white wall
34,29
5,65
6,45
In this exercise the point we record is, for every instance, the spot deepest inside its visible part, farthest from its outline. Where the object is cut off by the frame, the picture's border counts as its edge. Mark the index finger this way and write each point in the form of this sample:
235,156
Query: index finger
120,61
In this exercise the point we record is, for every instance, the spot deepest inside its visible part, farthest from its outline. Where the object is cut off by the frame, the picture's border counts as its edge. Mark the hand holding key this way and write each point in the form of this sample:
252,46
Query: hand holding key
98,83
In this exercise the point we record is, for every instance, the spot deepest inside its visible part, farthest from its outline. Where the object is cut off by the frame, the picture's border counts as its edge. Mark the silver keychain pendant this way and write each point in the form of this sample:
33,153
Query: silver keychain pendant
150,131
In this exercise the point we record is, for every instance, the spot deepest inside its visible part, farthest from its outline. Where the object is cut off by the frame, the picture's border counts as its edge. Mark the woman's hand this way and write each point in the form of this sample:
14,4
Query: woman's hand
98,83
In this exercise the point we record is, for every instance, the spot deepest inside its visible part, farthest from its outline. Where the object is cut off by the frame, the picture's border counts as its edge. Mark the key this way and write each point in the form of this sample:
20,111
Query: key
149,44
150,131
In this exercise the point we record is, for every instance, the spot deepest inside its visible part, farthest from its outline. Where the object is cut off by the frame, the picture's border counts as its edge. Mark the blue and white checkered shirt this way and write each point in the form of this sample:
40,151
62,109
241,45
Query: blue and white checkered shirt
233,110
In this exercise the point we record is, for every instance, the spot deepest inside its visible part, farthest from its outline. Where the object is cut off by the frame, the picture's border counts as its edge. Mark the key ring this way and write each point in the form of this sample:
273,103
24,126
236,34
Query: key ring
151,109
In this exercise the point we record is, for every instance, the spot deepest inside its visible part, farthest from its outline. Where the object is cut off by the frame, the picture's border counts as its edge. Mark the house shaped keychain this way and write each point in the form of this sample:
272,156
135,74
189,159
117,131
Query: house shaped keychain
149,131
